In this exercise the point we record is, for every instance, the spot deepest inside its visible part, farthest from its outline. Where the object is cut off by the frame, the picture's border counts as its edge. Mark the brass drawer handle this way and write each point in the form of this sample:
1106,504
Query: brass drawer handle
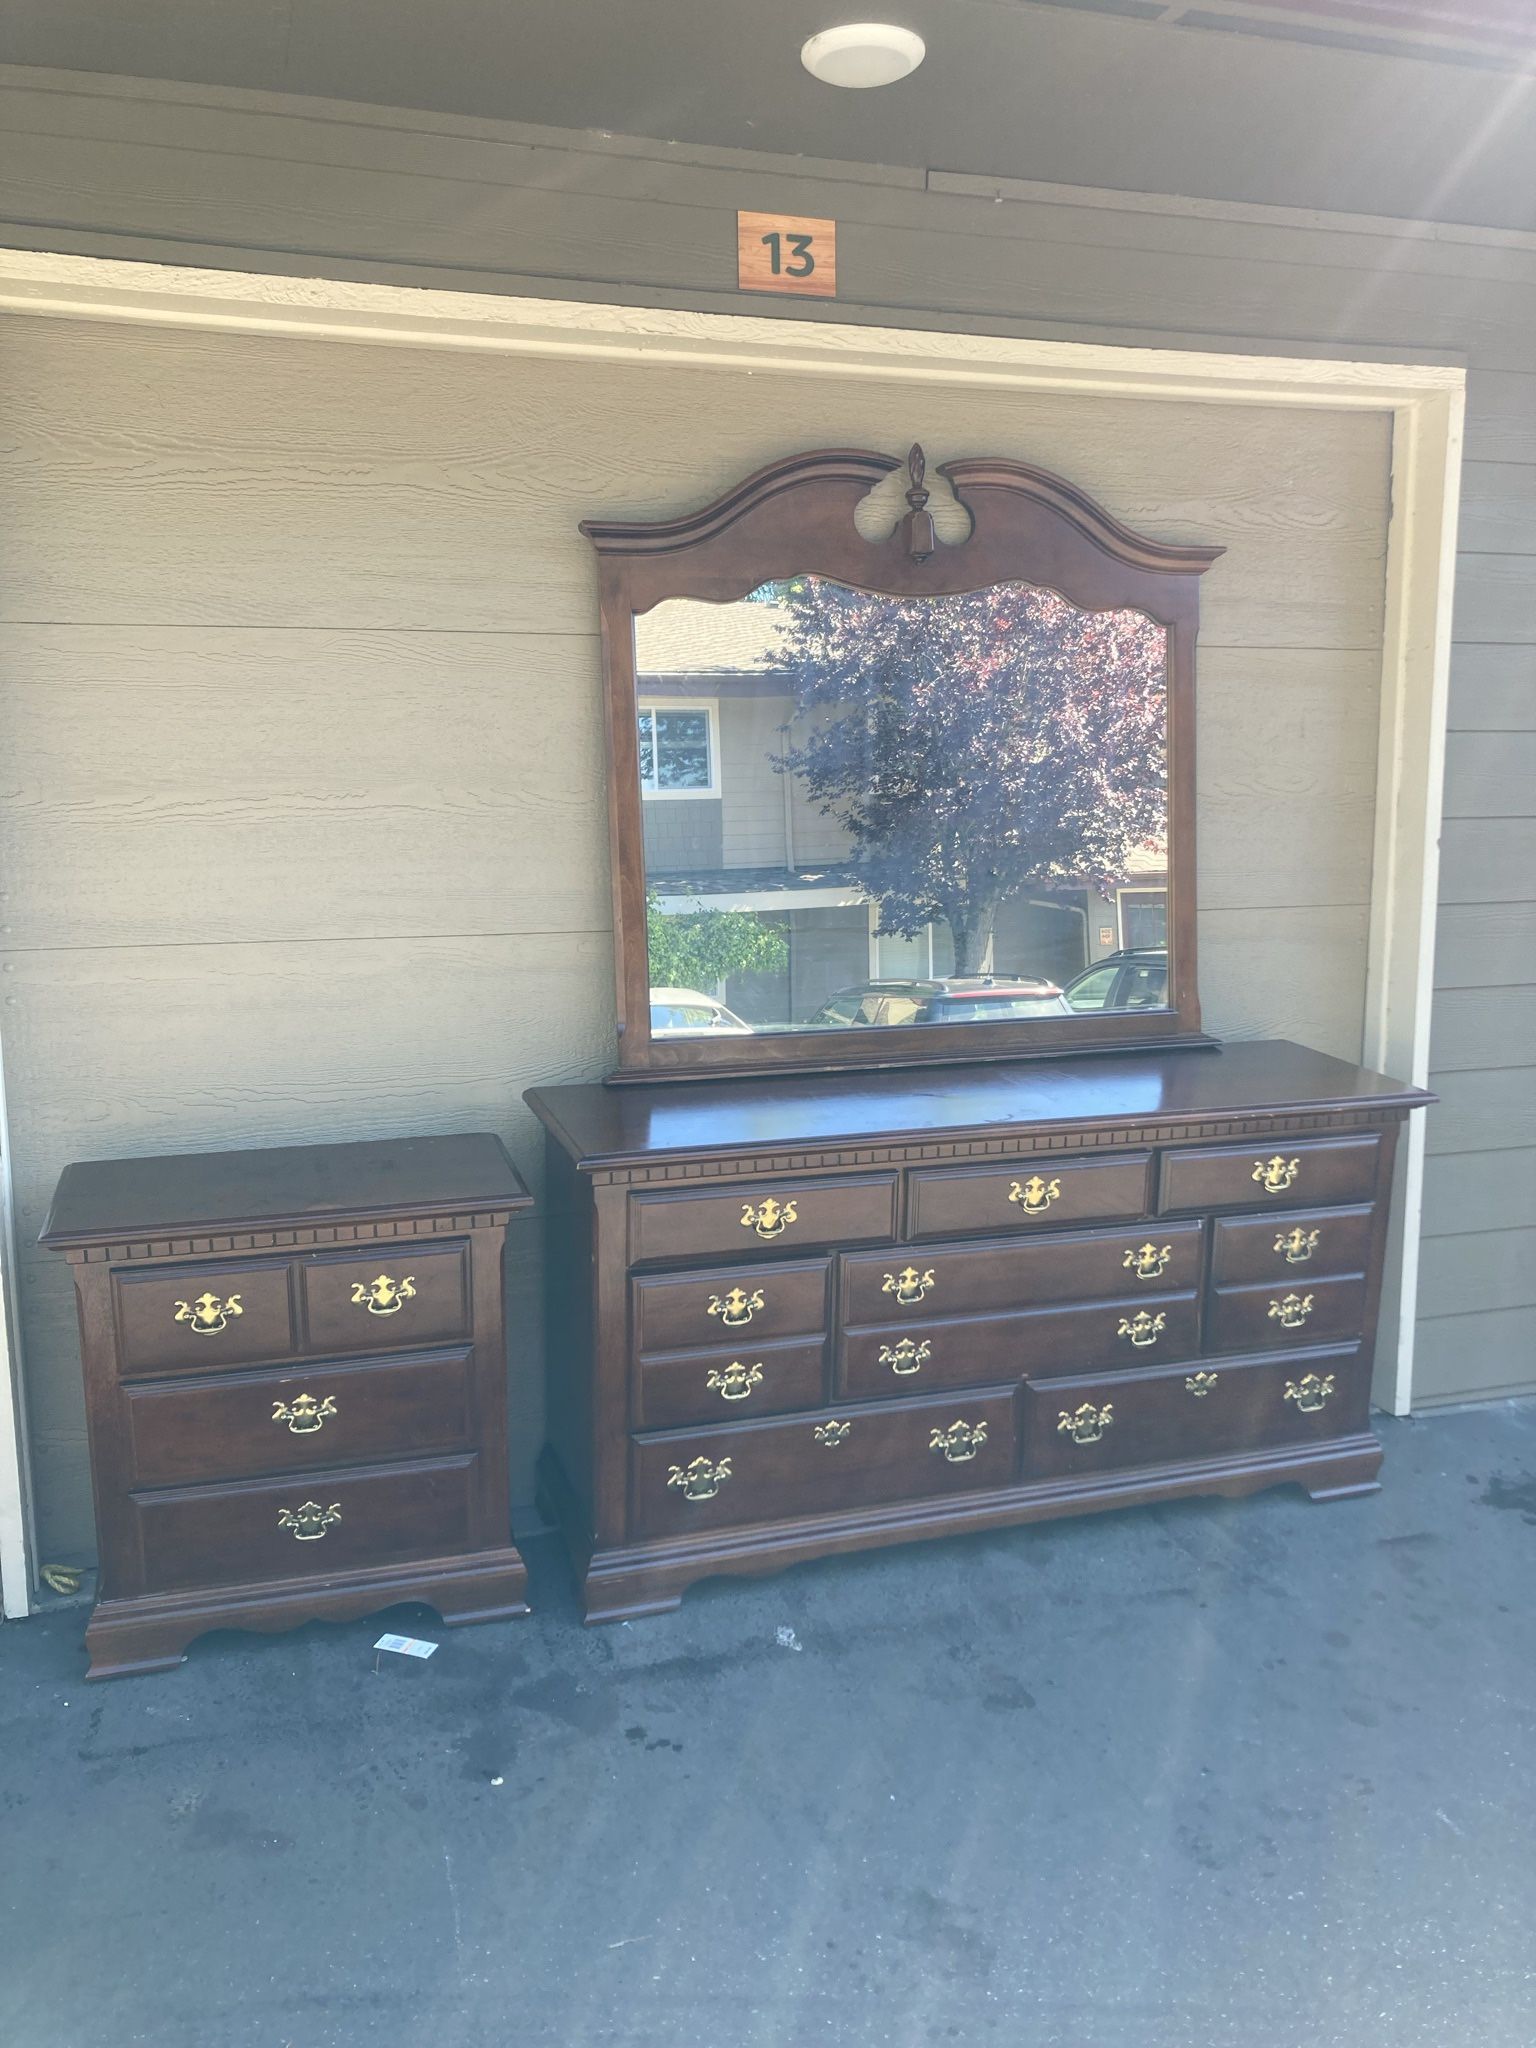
736,1382
1310,1393
1088,1424
385,1296
304,1414
736,1307
1200,1384
1297,1246
1142,1329
960,1442
1291,1312
769,1217
905,1357
309,1522
832,1433
1036,1195
208,1315
909,1286
1148,1263
1275,1175
701,1480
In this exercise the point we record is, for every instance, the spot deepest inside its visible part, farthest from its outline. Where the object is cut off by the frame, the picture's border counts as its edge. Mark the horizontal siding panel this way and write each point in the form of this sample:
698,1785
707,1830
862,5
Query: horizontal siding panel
1473,1357
1469,1275
1501,416
559,231
1487,860
1493,689
1482,1028
1483,1112
191,786
1467,1193
1491,774
1495,598
1485,945
1498,508
241,480
1296,974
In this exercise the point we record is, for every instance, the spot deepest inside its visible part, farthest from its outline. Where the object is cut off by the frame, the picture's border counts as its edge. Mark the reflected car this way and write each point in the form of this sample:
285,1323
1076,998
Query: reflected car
959,999
684,1013
1136,979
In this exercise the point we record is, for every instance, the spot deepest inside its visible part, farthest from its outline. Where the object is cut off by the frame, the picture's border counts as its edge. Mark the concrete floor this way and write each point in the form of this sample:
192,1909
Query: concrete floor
1247,1775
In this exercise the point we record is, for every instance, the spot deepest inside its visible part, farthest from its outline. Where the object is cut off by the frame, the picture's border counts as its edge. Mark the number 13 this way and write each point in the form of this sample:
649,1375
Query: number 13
800,247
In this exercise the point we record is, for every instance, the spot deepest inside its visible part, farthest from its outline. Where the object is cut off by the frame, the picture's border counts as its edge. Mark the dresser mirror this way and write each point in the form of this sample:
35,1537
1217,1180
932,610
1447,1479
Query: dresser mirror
881,802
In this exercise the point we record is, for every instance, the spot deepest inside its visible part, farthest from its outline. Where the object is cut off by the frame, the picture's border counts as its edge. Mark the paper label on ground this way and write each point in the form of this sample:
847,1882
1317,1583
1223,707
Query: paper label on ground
405,1646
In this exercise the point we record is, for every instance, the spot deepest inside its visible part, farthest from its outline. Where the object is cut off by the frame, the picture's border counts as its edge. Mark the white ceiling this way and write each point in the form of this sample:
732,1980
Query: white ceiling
1113,93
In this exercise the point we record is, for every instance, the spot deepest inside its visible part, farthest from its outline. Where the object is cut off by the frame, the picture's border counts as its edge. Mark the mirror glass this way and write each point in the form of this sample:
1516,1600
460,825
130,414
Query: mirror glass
864,811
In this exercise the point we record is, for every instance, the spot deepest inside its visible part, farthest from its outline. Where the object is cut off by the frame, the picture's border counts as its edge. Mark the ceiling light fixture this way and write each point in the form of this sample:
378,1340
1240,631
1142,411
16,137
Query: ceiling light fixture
862,54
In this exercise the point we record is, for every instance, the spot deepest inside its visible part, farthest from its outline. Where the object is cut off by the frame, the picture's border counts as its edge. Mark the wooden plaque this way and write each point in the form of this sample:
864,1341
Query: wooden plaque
786,252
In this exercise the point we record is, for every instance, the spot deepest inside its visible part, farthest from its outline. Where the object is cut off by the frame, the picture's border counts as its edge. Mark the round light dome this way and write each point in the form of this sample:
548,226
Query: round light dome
862,54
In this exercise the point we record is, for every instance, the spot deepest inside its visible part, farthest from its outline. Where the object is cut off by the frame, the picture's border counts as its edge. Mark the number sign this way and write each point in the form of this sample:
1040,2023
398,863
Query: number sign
784,252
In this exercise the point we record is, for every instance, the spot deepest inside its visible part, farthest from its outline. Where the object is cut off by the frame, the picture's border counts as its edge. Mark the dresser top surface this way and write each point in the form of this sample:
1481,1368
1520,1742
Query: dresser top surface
264,1187
600,1125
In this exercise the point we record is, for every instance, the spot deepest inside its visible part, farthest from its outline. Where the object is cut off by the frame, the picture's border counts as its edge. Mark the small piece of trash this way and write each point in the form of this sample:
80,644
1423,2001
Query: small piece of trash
405,1646
788,1640
498,1781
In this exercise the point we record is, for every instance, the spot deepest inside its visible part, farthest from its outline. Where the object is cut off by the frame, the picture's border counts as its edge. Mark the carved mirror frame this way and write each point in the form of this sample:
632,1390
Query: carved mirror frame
797,517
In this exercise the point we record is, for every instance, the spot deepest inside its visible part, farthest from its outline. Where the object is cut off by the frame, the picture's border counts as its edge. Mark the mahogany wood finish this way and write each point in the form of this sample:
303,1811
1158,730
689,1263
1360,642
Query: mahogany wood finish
1011,1326
295,1378
796,517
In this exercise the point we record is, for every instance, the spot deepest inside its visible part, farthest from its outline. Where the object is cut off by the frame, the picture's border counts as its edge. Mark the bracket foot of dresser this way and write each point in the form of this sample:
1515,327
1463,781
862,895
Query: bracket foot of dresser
125,1638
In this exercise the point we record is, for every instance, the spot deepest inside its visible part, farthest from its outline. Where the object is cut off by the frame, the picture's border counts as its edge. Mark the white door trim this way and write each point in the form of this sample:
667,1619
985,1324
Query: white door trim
1425,399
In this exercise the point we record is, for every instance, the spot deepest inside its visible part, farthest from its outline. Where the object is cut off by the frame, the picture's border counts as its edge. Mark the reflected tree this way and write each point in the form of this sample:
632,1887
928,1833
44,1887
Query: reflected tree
974,745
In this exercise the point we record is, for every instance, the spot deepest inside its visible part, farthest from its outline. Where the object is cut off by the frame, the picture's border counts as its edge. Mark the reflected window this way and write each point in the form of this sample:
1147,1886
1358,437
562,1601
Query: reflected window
1092,991
678,750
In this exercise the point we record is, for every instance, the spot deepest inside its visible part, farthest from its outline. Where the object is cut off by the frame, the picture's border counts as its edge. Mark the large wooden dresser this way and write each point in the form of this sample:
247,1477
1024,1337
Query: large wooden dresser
295,1378
797,1316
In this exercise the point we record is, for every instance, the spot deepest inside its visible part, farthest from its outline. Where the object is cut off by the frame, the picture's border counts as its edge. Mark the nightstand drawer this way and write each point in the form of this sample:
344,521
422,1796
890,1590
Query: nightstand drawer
823,1463
730,1305
729,1386
1078,1266
311,1524
1082,1427
1301,1246
761,1216
1270,1172
203,1317
394,1295
1032,1195
242,1424
1293,1313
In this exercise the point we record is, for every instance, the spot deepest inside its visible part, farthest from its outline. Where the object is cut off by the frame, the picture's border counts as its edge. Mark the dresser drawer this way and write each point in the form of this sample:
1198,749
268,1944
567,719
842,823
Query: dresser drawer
761,1216
1038,1343
393,1295
1260,1175
949,1201
729,1386
1082,1426
823,1464
306,1526
200,1318
893,1286
1292,1313
722,1306
291,1421
1293,1248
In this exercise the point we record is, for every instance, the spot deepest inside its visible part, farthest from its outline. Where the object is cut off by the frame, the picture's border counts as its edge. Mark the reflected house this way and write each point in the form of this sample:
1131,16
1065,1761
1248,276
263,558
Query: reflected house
726,831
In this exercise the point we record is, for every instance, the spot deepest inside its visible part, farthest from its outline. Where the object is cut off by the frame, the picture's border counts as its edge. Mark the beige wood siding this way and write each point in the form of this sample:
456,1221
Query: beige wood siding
213,548
305,821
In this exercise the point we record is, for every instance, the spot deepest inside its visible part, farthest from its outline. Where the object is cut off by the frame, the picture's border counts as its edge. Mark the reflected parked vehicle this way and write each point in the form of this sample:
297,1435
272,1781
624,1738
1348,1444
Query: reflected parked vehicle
684,1013
960,999
1135,979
